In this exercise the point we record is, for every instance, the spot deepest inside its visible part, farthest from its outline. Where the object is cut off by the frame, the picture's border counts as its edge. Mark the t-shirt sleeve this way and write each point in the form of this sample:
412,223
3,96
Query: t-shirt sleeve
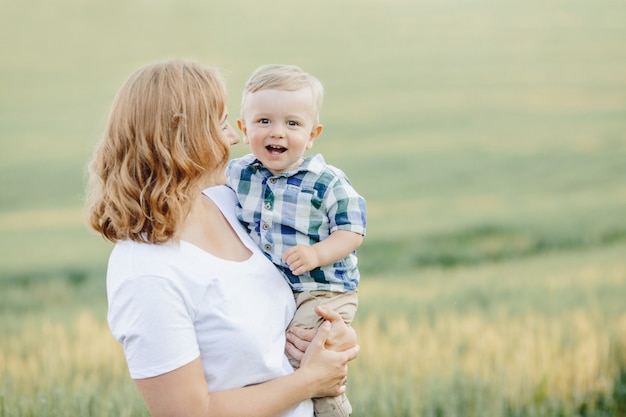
153,321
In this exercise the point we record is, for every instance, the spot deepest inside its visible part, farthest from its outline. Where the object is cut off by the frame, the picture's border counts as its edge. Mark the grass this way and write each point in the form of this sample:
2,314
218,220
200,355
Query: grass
80,353
486,135
538,337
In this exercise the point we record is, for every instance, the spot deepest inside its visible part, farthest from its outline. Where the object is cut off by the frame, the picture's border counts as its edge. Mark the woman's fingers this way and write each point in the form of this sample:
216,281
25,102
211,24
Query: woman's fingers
301,337
330,366
342,336
298,340
352,353
327,313
322,333
322,336
294,352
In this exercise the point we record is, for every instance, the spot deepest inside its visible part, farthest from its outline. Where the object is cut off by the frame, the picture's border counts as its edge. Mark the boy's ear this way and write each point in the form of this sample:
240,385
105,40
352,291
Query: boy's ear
242,126
315,132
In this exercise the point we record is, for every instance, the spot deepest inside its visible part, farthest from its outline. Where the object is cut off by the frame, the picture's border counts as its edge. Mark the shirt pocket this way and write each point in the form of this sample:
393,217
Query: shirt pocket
307,214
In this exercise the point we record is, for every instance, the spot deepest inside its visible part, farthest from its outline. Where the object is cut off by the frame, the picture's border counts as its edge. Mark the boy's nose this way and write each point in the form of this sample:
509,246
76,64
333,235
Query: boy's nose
277,131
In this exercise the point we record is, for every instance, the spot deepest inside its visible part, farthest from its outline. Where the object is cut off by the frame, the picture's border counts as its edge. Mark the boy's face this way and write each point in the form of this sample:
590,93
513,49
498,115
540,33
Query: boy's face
279,126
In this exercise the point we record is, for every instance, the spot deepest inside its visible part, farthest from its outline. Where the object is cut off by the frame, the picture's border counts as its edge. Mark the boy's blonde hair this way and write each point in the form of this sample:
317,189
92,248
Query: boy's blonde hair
283,77
162,141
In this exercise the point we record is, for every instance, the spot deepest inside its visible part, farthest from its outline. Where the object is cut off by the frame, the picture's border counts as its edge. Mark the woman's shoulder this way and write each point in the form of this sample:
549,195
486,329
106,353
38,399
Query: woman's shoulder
225,199
131,259
136,253
222,195
139,270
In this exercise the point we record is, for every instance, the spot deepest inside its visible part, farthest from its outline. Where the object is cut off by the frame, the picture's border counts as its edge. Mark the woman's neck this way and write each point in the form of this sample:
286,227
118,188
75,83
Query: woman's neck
206,227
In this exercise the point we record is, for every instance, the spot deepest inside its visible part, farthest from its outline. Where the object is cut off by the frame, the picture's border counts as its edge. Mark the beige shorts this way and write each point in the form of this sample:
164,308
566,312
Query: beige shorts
344,303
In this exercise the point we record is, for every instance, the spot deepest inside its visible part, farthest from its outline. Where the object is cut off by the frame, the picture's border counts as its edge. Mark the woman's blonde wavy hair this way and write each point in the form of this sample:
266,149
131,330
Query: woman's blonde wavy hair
163,142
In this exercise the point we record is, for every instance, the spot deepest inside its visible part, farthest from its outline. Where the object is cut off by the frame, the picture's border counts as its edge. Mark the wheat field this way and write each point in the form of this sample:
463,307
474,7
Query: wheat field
425,352
488,137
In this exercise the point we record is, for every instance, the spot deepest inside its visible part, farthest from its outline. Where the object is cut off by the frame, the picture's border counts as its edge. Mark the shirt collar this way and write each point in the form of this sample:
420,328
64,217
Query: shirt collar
314,163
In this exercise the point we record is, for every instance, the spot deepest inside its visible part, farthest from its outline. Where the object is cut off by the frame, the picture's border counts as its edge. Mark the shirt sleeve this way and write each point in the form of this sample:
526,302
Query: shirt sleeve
151,319
346,208
231,175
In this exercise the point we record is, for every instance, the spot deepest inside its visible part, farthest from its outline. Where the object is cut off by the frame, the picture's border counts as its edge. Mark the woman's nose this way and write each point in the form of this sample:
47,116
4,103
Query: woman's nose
232,135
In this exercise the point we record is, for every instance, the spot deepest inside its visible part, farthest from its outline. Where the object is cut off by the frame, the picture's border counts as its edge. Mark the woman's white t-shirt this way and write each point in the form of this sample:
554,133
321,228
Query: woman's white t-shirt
172,303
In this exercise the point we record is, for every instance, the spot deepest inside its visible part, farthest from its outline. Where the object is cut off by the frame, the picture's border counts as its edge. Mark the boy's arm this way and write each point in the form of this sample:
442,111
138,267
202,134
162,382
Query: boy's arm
338,245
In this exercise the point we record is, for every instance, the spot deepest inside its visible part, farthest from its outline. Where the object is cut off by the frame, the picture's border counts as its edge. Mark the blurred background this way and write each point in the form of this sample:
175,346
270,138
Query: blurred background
488,137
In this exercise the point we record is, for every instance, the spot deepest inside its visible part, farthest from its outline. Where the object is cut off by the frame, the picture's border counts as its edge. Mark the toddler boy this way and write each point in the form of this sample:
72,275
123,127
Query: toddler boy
303,213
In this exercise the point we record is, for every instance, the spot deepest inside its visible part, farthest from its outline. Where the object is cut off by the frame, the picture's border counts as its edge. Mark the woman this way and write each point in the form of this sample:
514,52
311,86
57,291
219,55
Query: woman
199,311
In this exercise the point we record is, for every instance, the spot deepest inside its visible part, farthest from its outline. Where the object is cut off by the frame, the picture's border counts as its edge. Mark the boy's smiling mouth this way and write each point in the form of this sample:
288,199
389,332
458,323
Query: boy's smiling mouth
275,149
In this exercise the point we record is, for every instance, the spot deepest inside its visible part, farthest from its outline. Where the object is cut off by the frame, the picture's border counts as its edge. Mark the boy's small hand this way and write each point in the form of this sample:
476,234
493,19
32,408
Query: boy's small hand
301,259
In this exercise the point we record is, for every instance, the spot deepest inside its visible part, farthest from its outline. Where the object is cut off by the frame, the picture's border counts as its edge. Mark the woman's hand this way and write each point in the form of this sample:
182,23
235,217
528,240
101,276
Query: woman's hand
342,336
298,340
326,368
184,391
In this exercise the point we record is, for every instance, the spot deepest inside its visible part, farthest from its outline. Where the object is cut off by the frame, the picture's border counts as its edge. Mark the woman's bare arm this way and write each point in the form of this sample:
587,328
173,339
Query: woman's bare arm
183,392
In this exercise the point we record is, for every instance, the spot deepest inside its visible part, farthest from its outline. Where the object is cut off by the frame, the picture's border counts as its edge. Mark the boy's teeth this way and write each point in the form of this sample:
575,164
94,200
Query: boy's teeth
273,148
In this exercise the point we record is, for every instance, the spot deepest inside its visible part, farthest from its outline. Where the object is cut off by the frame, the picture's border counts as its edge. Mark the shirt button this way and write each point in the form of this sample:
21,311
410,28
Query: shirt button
266,226
273,180
267,247
268,206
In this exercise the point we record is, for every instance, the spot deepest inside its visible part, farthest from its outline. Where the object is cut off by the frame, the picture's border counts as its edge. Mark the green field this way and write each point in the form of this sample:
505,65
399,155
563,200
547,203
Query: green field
488,137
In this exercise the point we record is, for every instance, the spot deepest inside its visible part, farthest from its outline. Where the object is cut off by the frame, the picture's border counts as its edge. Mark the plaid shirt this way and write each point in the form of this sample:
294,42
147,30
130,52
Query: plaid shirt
303,206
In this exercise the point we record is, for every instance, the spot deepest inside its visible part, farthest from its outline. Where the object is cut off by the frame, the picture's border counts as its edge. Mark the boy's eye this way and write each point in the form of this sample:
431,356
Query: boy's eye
264,121
292,123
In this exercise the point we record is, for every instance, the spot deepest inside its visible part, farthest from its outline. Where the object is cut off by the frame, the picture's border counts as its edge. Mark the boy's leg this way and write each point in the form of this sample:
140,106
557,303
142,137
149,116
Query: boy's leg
343,303
305,317
338,406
